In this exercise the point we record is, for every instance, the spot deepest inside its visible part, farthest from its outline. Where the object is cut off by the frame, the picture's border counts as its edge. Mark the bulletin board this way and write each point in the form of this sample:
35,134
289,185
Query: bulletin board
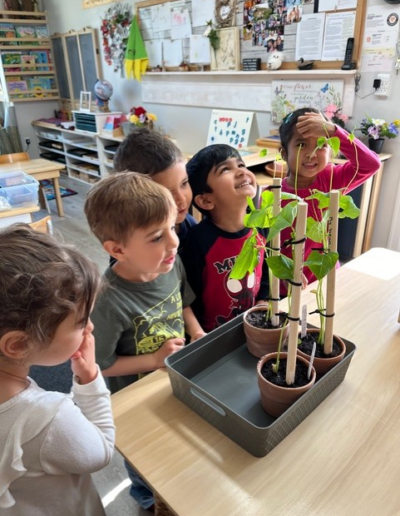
230,127
180,48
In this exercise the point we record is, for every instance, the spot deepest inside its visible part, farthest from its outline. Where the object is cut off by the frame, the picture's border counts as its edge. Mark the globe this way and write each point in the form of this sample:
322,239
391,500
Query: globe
103,90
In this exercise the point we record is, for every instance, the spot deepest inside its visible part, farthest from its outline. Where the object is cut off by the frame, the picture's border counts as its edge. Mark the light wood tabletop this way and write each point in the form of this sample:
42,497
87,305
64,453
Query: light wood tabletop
40,169
342,460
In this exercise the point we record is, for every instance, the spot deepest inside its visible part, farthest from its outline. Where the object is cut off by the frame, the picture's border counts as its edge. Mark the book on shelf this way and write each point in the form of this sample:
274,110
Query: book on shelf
28,62
41,32
25,32
17,87
41,57
11,58
7,31
41,83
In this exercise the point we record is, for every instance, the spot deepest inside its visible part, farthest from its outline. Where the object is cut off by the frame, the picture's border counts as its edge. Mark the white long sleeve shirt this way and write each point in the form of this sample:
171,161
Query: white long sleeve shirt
50,444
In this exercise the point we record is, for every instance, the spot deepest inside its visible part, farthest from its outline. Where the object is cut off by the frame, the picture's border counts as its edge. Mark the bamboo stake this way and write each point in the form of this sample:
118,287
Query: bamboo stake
294,315
276,244
333,224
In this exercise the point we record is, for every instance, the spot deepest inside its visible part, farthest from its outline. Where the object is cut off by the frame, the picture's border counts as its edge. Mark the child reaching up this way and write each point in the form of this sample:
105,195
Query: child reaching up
50,442
309,167
221,185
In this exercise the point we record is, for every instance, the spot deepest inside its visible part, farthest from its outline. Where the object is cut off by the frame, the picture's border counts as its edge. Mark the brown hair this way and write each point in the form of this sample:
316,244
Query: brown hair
121,203
146,152
42,281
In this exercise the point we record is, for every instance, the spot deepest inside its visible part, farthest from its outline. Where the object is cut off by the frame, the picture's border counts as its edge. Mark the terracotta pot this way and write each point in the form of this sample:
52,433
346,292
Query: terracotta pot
262,341
323,365
275,399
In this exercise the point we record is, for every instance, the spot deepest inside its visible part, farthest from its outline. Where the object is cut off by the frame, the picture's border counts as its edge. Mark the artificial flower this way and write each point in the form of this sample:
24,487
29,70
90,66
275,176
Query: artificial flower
140,117
378,128
335,115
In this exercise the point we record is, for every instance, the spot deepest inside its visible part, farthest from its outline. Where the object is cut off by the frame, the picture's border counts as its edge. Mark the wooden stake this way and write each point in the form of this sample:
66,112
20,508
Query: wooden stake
276,244
294,315
333,224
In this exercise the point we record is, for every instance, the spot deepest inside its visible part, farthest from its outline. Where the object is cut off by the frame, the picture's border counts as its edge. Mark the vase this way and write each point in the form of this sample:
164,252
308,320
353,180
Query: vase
376,145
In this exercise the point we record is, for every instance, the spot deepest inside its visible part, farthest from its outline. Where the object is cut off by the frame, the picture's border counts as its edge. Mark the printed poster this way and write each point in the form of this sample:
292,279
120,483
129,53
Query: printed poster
230,127
290,95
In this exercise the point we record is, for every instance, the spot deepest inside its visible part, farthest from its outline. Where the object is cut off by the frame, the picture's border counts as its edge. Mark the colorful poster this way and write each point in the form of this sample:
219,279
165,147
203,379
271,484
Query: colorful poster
290,95
230,127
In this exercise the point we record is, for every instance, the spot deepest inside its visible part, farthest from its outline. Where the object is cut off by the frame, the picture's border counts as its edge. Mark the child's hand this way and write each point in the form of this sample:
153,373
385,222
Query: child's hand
170,346
83,363
314,125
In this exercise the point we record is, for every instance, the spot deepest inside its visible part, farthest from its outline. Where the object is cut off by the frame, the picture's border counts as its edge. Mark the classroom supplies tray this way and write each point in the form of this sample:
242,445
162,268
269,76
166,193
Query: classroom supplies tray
216,377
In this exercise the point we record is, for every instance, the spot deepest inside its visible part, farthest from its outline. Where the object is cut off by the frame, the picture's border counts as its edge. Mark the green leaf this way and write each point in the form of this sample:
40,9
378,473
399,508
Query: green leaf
281,266
315,230
321,142
248,258
285,219
321,263
348,209
351,137
263,153
334,143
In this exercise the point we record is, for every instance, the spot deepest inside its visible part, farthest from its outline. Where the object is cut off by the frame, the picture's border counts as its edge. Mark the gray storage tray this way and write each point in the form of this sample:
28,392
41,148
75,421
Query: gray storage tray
216,377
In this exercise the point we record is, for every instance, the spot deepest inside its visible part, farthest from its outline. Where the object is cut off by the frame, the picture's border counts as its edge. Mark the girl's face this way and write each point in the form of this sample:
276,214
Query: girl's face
66,341
305,159
176,180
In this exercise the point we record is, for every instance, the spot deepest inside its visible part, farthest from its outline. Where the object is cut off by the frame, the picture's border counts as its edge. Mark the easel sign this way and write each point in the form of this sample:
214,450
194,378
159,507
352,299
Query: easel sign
230,127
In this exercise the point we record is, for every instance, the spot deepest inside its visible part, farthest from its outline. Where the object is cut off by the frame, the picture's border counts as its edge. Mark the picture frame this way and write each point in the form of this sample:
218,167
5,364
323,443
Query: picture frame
227,56
85,101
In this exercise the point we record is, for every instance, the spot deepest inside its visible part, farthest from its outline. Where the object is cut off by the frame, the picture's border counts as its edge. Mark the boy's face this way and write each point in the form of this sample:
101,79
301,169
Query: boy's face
176,180
231,183
303,157
148,252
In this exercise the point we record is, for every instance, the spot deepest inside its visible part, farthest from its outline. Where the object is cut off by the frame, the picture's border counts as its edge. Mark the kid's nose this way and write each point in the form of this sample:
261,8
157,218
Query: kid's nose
173,241
89,327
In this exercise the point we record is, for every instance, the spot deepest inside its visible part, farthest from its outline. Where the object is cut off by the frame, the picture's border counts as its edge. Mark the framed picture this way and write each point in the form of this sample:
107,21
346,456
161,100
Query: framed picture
227,56
85,101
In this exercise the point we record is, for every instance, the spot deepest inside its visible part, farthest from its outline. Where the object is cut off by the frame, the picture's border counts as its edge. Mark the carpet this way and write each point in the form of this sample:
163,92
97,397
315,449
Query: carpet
49,190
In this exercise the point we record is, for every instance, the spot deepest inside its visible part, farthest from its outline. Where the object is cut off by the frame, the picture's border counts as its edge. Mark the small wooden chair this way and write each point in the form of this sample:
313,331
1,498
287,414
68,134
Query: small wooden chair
44,225
24,156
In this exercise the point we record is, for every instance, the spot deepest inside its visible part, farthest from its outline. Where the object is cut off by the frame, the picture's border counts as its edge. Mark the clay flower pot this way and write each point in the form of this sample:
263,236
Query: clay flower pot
261,341
274,398
324,364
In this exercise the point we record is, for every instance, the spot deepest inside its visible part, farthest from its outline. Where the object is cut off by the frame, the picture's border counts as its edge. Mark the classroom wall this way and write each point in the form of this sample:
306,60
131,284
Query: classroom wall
189,125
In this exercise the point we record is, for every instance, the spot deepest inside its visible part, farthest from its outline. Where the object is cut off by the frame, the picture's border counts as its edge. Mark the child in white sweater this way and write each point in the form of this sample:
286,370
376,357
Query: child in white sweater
50,442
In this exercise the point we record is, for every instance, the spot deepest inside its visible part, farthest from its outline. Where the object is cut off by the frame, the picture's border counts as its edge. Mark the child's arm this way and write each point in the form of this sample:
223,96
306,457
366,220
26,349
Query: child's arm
137,364
192,325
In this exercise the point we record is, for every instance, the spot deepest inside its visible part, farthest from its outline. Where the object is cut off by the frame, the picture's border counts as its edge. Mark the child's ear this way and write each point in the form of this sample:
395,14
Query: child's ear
204,201
13,344
283,154
114,249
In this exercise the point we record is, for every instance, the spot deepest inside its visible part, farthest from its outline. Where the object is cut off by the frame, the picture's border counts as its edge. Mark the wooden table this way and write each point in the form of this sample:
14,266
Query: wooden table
343,460
40,169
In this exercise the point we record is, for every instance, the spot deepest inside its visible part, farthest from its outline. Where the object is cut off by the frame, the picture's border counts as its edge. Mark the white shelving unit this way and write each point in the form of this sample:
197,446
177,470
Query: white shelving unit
87,156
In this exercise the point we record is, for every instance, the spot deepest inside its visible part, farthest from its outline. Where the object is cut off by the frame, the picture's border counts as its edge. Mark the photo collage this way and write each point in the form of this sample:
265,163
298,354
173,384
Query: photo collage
264,22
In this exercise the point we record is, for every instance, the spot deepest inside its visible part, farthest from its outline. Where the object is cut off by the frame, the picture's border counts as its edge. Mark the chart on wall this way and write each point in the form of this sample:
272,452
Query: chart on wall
230,127
290,95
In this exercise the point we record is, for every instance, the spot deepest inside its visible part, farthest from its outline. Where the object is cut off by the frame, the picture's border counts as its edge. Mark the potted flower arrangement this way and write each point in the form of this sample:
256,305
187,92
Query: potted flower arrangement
138,117
377,129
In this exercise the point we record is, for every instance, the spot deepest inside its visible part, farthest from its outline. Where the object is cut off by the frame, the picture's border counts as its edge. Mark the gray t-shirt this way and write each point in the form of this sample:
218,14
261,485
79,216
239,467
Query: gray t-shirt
133,318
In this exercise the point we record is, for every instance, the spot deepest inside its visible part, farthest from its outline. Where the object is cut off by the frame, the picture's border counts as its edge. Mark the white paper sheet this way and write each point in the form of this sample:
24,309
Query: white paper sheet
172,50
161,17
336,5
338,28
230,127
154,52
202,11
199,49
309,37
180,24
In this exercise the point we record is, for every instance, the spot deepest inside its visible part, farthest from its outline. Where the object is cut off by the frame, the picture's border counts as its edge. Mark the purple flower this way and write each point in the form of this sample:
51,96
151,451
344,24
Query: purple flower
373,131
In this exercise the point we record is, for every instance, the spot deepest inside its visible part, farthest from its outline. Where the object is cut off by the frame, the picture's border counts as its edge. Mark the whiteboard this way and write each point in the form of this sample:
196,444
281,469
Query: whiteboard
230,127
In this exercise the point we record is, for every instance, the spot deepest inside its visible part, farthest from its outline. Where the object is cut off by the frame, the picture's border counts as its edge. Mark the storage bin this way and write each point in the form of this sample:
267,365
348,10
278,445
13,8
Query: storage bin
19,189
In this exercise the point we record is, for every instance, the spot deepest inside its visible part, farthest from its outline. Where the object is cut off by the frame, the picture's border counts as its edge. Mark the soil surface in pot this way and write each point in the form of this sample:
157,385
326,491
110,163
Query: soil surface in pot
258,320
307,343
279,379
